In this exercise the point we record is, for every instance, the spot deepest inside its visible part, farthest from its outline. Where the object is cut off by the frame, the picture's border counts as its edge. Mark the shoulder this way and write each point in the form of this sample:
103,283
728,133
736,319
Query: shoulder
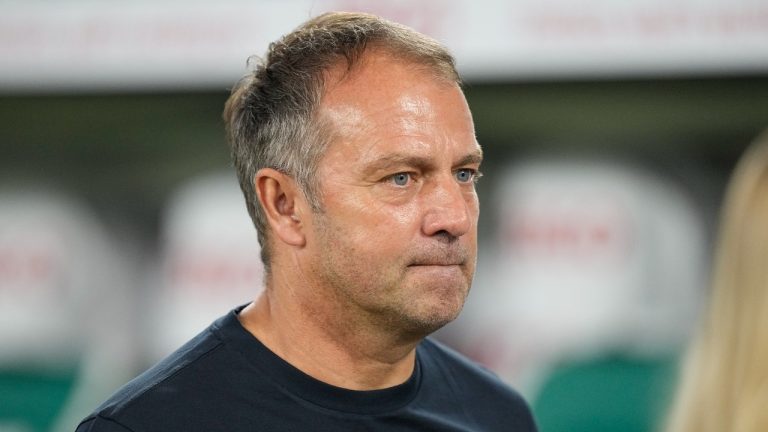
461,367
478,387
97,423
161,388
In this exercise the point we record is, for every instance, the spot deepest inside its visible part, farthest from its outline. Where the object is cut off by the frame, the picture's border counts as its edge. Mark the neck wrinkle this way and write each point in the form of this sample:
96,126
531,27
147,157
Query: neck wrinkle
298,322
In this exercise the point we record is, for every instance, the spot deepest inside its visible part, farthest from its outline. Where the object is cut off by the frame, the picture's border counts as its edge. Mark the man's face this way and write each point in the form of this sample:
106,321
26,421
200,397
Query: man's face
396,241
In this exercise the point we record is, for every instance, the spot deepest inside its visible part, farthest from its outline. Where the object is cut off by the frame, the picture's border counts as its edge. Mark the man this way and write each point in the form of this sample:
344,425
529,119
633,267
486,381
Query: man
357,156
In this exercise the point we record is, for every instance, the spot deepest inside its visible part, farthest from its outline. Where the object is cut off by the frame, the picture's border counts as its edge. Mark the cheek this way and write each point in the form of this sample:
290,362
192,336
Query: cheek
378,237
384,229
473,204
403,218
371,217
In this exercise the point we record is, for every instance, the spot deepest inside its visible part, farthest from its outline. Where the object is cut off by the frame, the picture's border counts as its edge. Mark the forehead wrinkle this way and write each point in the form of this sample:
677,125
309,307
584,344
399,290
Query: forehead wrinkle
409,112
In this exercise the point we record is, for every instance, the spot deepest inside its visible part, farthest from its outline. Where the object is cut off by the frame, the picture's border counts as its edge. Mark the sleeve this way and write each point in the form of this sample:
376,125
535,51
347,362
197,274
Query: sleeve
101,424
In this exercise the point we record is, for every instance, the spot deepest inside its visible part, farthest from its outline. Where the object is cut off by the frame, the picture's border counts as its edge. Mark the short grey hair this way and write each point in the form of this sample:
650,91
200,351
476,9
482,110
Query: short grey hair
270,117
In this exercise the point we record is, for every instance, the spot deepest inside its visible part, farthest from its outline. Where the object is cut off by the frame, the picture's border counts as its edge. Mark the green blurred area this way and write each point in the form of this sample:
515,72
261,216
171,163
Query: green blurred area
607,394
31,400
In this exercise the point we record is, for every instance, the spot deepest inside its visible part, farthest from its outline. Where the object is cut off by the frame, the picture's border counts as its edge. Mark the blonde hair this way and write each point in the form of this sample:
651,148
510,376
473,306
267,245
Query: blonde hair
724,384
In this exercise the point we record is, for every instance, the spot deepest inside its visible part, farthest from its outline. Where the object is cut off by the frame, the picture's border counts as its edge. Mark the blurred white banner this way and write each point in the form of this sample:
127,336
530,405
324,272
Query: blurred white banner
171,44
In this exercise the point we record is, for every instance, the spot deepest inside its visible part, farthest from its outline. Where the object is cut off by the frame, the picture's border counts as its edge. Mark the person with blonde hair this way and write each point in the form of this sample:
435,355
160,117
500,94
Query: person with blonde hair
724,383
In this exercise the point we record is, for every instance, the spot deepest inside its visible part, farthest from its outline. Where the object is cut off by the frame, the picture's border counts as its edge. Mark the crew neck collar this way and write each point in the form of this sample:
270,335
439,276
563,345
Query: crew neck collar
298,384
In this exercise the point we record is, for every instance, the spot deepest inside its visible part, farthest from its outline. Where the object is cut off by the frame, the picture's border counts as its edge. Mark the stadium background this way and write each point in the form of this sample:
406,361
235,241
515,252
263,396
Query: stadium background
609,132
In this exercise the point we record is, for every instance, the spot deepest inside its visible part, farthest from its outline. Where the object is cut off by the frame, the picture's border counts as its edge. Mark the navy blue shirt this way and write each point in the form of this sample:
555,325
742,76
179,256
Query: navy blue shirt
226,380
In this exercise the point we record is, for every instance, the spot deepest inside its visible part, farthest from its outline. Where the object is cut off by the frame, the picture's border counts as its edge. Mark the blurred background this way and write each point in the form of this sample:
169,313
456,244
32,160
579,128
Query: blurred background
609,129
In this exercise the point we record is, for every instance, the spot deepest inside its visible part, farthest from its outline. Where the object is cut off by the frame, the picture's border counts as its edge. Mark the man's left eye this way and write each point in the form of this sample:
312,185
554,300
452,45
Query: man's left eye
401,179
465,175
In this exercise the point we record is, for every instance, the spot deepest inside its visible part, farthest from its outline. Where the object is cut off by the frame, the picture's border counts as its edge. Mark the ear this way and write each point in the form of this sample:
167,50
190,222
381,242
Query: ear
281,200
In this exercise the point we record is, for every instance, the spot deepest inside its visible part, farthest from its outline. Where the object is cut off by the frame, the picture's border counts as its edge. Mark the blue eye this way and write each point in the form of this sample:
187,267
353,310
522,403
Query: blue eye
401,179
465,175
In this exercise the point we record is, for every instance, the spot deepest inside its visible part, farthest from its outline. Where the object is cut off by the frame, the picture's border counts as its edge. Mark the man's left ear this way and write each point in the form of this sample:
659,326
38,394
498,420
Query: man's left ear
282,201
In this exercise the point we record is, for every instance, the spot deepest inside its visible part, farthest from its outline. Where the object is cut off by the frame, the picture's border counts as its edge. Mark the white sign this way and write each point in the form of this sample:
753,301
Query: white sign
110,45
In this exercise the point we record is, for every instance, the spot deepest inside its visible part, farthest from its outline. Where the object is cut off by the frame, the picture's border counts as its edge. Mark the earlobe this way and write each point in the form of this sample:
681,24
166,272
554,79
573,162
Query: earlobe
278,195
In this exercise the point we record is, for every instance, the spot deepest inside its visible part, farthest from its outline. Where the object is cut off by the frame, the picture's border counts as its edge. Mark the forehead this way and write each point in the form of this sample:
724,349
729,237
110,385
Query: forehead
378,78
386,102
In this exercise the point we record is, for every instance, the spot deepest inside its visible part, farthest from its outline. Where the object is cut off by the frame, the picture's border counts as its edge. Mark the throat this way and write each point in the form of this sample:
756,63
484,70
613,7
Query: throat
348,356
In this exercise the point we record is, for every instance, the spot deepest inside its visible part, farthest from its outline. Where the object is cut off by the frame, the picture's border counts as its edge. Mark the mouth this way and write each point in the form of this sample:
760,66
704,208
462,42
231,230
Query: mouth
450,261
444,259
436,264
437,258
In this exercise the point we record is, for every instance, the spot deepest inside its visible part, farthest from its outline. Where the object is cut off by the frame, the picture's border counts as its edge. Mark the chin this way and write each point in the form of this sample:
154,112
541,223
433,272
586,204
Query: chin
432,317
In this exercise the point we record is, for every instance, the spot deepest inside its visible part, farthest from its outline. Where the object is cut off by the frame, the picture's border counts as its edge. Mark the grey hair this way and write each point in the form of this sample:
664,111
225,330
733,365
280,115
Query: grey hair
270,117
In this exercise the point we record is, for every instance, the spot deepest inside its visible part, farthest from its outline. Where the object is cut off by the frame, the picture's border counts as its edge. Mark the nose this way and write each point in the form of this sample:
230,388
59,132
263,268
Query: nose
450,210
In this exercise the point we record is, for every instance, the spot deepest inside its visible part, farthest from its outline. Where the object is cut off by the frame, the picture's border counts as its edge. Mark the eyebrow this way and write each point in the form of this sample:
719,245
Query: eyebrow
399,159
472,158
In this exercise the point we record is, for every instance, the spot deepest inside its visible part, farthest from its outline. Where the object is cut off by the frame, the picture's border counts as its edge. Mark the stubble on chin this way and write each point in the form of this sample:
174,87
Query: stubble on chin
433,307
388,296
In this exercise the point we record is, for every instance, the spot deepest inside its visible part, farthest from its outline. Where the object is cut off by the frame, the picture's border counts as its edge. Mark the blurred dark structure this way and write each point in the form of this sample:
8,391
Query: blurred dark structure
125,152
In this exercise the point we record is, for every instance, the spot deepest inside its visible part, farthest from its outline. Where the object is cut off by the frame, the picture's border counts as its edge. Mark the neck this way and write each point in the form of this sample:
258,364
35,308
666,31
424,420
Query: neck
320,338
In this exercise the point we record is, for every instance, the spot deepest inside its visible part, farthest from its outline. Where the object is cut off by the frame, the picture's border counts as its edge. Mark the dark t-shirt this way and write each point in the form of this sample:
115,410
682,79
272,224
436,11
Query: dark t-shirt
226,380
